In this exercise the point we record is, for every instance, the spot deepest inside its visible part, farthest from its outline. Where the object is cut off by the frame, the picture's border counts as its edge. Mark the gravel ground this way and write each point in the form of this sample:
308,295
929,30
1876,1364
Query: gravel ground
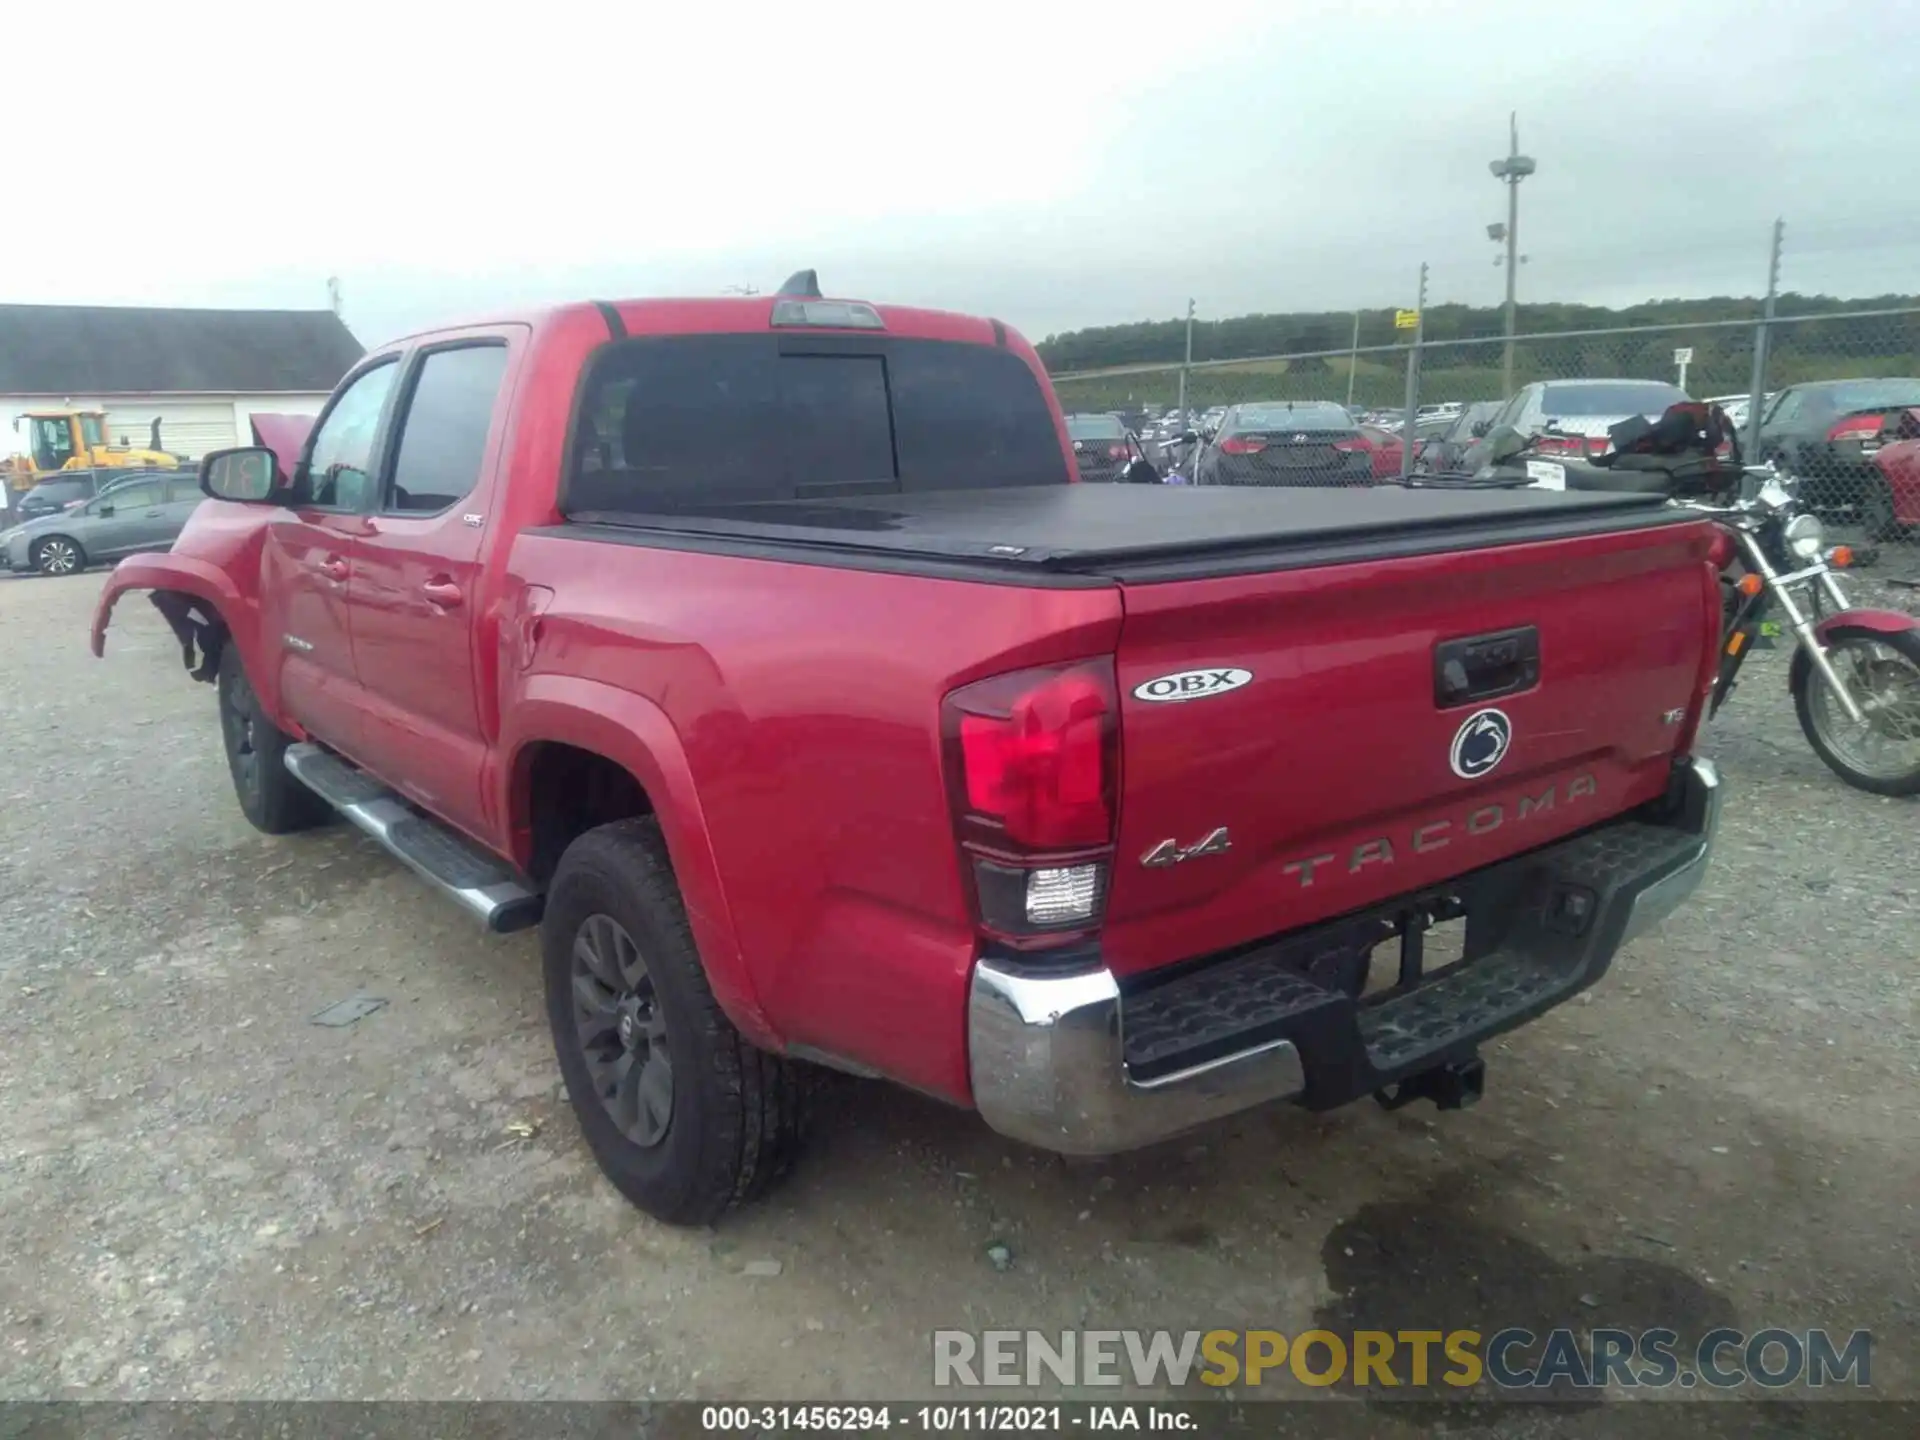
204,1195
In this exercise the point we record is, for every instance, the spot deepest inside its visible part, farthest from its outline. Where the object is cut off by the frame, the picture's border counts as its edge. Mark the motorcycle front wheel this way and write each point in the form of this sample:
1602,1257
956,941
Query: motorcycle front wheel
1881,753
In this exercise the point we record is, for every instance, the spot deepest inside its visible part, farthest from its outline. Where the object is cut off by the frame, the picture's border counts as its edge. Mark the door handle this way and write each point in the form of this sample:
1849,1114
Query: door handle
334,568
443,593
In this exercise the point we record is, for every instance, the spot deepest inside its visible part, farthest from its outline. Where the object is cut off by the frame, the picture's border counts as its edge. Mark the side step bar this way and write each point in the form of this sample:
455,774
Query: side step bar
466,874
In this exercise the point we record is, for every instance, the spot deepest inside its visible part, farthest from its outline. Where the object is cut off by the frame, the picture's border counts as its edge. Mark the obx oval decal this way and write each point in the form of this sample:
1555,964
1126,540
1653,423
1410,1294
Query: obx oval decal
1192,684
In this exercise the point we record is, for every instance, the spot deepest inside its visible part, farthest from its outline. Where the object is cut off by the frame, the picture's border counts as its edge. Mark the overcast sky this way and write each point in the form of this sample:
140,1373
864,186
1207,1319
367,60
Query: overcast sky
1052,165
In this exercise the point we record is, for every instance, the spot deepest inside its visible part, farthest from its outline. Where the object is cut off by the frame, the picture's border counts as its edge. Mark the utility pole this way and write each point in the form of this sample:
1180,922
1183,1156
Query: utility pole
333,294
1353,358
1510,172
1758,388
1413,378
1186,366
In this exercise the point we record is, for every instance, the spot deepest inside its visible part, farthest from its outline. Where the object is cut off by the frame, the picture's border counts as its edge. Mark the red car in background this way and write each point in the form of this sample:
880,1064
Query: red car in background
1383,445
1890,511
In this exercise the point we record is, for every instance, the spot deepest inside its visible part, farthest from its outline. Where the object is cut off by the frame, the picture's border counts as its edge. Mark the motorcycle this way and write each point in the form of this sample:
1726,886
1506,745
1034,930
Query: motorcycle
1855,676
1182,454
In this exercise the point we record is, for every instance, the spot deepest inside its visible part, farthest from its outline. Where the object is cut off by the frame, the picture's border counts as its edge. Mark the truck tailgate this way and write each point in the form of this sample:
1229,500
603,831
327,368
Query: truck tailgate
1317,733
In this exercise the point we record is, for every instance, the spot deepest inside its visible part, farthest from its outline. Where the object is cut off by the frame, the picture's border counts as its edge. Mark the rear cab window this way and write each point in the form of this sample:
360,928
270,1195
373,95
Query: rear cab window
703,422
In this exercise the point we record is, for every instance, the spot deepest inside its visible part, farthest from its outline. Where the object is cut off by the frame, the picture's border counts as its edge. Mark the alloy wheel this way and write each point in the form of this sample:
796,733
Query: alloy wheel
239,716
622,1030
58,557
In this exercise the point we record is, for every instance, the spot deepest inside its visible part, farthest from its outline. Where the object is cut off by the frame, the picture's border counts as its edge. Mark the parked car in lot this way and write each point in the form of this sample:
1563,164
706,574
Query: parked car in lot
144,511
1828,431
1891,509
1384,447
879,744
1307,442
1102,446
1572,417
58,491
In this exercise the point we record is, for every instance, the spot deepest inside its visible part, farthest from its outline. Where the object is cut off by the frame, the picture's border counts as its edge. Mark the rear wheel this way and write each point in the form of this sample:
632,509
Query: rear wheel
1881,753
1877,515
684,1116
57,555
271,799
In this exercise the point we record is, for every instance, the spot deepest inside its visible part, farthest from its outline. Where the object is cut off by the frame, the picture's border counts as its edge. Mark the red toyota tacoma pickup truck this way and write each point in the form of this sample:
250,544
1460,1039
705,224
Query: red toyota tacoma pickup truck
762,653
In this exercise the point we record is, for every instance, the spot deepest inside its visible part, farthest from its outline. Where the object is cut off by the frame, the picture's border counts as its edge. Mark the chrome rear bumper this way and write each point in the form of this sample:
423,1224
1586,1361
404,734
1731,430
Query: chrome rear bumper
1048,1048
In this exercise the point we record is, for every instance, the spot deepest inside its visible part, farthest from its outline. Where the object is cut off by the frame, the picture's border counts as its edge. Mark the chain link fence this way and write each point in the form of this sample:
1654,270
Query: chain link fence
1837,393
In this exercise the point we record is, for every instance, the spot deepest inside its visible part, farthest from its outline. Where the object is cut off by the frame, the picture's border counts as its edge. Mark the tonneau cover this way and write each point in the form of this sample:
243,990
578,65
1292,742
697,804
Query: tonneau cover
1144,530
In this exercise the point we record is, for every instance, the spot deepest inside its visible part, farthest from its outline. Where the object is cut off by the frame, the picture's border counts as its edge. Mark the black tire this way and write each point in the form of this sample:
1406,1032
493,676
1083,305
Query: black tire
1896,782
736,1112
271,799
1877,515
58,555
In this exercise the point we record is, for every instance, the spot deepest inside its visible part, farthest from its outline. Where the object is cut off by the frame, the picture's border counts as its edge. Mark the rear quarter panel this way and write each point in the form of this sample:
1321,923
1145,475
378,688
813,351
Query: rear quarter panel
806,702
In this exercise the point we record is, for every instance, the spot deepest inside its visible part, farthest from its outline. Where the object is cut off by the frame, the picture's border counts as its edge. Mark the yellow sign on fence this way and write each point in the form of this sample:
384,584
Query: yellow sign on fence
1406,319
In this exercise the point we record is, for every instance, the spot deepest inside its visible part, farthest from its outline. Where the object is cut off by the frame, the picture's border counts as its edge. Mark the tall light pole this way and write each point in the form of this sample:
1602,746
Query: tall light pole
1188,365
1353,358
1510,172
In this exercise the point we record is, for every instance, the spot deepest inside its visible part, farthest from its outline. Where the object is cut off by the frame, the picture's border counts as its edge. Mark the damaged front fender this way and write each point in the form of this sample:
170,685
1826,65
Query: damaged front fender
200,602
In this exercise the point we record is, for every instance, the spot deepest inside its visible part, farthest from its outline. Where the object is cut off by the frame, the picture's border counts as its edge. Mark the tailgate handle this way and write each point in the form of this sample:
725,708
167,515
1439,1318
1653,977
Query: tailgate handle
1481,667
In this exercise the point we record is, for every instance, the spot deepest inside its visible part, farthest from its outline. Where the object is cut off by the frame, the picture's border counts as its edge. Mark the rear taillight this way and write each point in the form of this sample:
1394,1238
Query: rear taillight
1558,445
1856,428
1033,761
1116,452
1242,445
1597,444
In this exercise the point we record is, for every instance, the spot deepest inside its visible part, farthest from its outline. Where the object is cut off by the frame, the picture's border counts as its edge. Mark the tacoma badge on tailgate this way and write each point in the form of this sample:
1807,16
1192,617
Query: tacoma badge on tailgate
1192,684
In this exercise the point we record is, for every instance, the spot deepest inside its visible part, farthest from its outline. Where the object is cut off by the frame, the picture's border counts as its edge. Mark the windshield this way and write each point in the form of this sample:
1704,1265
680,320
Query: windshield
1095,427
1865,394
1307,415
1648,397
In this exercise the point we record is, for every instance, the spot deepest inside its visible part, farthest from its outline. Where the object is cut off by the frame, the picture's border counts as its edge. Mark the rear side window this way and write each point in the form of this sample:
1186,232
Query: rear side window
443,431
135,495
699,421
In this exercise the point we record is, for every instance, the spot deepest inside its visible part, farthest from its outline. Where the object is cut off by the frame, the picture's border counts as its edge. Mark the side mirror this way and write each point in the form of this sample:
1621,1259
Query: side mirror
1479,428
248,475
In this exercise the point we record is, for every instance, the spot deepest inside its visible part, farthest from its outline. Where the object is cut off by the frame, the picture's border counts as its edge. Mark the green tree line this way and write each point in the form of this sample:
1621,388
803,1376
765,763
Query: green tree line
1462,357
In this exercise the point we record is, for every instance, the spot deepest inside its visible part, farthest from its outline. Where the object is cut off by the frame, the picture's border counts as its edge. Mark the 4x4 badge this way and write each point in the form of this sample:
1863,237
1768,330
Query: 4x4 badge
1172,852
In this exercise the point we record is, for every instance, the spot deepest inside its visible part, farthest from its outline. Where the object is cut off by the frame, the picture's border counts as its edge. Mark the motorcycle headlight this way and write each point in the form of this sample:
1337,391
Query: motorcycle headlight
1806,536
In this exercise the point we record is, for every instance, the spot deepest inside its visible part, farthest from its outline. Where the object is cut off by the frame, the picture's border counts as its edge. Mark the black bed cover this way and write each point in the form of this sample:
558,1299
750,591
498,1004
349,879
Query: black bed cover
1139,531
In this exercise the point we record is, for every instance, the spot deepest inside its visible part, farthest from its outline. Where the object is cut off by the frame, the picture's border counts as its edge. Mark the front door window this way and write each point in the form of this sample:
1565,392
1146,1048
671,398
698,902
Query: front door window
340,458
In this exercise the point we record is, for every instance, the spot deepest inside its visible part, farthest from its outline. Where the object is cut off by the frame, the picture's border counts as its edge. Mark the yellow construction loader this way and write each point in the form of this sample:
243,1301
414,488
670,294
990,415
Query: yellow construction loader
77,440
